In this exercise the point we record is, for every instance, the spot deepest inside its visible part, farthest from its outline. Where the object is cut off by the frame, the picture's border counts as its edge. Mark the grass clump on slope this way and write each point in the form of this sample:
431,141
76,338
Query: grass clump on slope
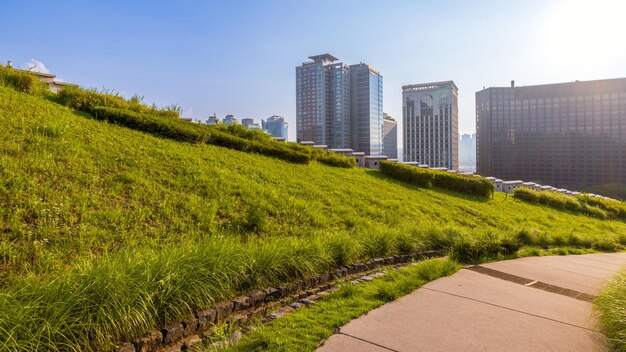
594,207
21,81
611,303
422,177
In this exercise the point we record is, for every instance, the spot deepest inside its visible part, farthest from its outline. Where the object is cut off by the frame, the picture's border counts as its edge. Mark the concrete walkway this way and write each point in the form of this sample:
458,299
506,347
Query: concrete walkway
527,304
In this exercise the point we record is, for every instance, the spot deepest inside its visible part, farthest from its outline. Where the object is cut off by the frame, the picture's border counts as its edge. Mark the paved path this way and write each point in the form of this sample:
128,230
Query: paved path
527,304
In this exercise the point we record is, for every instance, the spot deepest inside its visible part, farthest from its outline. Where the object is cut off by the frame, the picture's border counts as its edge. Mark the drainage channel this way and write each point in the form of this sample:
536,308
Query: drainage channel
532,283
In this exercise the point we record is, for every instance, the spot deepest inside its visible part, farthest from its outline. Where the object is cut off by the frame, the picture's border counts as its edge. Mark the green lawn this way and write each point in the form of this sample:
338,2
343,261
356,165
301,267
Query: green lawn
129,230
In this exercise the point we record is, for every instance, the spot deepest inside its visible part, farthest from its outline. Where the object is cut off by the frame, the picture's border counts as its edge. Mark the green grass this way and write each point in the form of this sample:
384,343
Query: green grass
308,327
106,231
611,304
594,207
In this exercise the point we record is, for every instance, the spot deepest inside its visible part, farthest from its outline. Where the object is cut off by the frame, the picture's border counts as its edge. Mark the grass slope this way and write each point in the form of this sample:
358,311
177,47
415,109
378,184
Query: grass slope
128,229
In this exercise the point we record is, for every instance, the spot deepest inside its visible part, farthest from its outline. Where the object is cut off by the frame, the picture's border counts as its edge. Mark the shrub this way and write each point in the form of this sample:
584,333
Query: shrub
243,132
426,178
471,249
606,245
21,81
594,212
463,184
612,208
526,194
407,173
335,159
184,131
87,100
594,207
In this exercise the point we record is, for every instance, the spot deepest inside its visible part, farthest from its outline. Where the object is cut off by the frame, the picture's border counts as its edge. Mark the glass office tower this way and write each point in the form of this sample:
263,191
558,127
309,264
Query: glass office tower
367,109
566,135
276,126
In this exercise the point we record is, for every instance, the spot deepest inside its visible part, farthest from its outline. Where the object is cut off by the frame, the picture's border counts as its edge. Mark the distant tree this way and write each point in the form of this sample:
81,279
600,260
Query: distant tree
388,117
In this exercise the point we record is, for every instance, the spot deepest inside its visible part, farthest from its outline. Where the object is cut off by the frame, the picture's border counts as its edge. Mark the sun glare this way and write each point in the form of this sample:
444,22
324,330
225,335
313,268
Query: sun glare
584,35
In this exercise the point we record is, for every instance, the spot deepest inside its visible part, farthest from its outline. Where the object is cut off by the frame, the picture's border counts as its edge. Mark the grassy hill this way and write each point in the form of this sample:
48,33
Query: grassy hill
107,231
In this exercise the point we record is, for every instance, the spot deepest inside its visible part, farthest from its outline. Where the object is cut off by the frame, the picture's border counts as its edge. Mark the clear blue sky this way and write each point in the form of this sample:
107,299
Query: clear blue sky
239,57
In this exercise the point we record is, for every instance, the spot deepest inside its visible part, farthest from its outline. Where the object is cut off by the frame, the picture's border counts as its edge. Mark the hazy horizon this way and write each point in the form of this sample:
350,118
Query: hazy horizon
239,57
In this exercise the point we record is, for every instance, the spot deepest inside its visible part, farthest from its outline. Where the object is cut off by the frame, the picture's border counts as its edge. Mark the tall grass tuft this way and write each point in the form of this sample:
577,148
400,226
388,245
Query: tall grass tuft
473,185
22,81
594,207
611,303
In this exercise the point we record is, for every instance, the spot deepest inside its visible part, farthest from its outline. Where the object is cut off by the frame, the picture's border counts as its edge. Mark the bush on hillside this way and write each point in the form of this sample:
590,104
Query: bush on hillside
527,194
88,99
243,132
463,184
594,211
594,207
407,173
335,159
184,131
426,178
613,208
21,81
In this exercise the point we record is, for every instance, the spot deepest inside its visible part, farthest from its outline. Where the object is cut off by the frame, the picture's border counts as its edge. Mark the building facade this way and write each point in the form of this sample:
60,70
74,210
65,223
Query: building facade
390,137
568,135
230,120
430,124
339,105
366,92
467,152
276,126
323,102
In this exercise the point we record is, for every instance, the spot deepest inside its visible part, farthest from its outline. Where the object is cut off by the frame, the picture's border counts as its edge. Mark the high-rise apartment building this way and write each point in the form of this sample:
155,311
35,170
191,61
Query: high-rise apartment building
390,137
430,124
276,126
366,89
323,102
339,105
565,135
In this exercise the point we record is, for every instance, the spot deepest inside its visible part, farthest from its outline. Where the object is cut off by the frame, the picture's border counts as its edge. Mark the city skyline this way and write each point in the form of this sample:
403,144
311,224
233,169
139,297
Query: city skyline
237,54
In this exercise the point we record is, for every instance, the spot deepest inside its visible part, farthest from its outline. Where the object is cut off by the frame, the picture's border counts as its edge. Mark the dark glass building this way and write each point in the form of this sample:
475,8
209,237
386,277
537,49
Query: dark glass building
566,135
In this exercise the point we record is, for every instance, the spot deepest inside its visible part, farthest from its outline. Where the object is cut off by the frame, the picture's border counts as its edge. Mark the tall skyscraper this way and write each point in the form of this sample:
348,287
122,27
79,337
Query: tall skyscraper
565,135
339,105
366,86
276,126
430,124
390,137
